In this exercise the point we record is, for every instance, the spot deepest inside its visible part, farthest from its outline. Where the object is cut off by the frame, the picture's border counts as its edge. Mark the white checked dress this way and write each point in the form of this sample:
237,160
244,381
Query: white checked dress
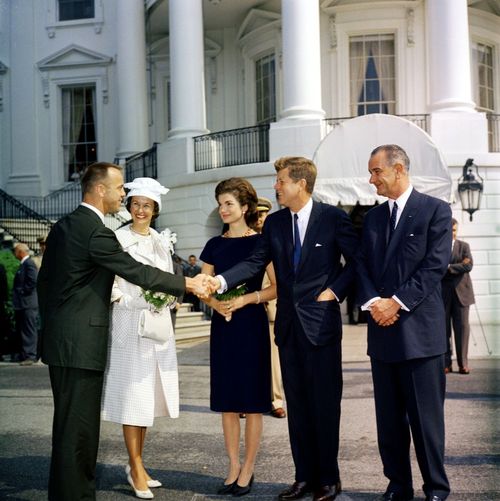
141,379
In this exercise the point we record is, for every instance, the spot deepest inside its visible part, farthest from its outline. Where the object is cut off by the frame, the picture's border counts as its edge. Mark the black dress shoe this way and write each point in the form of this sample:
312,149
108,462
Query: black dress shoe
296,491
241,490
394,496
327,492
433,498
226,488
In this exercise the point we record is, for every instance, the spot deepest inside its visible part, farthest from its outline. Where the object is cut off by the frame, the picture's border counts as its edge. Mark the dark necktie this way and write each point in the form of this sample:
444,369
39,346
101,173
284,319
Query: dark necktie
394,214
297,247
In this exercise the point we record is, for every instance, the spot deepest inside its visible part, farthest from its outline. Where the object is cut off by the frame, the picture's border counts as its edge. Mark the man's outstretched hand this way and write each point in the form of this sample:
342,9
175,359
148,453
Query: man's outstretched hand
202,285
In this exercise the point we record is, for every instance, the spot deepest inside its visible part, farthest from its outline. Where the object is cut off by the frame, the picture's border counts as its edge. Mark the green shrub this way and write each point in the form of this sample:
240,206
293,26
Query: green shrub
11,264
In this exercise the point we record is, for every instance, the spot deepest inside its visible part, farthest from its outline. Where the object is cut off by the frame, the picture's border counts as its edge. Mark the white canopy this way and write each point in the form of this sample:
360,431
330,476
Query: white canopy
342,160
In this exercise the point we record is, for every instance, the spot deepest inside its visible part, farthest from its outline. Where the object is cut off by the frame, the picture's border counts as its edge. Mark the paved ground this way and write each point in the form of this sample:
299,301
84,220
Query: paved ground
187,454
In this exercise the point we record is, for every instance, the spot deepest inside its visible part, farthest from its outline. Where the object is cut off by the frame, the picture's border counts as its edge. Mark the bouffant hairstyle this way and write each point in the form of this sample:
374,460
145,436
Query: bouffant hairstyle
95,174
156,207
299,168
244,192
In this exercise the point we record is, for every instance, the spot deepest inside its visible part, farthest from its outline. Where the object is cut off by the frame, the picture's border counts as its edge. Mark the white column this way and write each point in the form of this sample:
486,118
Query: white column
187,77
301,60
449,56
131,76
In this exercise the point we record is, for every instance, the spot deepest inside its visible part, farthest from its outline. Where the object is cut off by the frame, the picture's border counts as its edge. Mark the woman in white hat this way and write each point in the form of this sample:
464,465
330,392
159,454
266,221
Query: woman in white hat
141,379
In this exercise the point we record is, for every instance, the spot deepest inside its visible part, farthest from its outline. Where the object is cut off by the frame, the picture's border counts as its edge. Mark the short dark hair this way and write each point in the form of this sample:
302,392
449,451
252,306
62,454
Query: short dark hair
394,154
96,173
191,255
454,221
156,207
244,192
299,168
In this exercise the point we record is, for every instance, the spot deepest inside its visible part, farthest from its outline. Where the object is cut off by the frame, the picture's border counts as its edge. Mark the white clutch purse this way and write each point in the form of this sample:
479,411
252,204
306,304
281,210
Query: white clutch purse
155,325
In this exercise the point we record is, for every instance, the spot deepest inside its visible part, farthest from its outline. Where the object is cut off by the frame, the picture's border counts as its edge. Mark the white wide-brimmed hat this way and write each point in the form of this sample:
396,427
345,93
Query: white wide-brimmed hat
146,187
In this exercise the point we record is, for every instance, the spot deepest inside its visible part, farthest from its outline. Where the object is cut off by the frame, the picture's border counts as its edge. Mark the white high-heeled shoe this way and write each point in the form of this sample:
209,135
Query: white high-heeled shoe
152,484
147,494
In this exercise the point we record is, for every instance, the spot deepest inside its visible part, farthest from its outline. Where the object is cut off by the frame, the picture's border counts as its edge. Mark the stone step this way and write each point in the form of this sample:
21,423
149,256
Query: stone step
186,317
194,330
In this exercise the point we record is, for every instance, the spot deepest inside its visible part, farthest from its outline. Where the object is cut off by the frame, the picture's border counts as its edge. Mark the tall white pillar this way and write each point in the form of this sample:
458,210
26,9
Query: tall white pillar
458,130
449,55
187,77
131,76
301,60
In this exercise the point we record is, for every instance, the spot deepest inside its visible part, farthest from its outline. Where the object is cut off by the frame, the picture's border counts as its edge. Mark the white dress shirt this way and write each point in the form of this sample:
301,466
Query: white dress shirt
401,201
95,209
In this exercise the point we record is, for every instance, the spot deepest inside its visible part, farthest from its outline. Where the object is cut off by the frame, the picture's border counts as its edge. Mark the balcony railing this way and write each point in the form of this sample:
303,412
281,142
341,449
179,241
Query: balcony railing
248,145
421,120
493,132
23,223
56,204
143,164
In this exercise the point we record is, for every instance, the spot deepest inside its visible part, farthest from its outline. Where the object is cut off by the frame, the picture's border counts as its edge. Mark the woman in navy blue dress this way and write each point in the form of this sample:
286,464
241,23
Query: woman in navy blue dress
240,365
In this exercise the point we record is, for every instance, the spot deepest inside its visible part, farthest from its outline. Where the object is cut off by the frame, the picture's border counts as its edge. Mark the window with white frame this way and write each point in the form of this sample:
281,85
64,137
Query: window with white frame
484,90
70,10
265,89
372,74
79,129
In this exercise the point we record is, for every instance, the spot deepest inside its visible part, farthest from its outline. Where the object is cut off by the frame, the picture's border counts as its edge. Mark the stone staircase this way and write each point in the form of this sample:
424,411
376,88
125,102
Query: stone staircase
190,324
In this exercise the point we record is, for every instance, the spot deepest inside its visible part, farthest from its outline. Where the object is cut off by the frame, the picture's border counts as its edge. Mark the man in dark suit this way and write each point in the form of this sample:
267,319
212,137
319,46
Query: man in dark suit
406,248
25,304
305,242
74,289
458,295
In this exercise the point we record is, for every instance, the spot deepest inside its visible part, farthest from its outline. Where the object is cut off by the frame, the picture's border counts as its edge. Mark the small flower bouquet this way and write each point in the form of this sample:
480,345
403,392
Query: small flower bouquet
158,300
238,291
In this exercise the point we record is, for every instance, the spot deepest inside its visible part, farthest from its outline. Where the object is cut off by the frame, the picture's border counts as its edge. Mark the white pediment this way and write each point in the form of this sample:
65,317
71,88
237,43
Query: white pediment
73,56
257,19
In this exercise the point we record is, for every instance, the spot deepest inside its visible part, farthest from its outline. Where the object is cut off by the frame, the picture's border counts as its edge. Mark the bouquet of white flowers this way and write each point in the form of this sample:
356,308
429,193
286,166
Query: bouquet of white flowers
158,300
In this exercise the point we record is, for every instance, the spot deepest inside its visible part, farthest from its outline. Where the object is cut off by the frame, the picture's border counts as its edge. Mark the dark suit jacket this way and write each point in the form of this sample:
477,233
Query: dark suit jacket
24,290
74,289
329,235
411,267
457,274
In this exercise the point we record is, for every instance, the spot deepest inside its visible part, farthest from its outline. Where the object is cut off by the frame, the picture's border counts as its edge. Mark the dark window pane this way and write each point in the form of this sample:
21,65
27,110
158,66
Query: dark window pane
76,9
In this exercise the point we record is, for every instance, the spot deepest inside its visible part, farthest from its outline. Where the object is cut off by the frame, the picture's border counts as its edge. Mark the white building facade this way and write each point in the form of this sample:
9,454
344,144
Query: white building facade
225,87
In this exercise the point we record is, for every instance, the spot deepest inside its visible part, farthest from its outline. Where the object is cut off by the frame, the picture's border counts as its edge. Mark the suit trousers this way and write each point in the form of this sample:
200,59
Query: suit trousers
458,316
27,332
410,394
75,432
312,379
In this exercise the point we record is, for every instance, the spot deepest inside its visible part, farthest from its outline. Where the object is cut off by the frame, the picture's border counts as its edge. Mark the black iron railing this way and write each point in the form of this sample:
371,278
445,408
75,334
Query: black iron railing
248,145
421,120
493,132
143,164
23,223
57,203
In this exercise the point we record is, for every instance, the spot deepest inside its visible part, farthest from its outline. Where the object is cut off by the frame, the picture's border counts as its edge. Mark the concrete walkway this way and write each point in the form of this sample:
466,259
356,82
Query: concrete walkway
187,454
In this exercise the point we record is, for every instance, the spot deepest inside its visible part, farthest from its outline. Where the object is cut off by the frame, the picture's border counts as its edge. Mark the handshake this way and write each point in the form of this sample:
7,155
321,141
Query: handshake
202,285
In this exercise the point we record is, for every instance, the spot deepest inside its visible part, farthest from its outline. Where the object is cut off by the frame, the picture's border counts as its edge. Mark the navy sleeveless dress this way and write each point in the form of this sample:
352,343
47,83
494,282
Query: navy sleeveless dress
240,363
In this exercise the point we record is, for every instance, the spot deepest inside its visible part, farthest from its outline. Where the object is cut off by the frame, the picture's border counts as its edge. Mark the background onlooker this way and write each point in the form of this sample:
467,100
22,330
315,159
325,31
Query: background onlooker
25,304
42,242
191,269
458,295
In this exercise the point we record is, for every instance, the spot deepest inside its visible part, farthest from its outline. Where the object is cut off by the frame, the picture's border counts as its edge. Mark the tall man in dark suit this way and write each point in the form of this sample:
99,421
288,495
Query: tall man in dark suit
406,248
25,304
458,295
305,242
74,289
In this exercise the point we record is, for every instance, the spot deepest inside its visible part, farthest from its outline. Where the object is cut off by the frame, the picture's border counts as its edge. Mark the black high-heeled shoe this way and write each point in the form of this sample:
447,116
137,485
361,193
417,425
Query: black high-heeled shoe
240,490
226,488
